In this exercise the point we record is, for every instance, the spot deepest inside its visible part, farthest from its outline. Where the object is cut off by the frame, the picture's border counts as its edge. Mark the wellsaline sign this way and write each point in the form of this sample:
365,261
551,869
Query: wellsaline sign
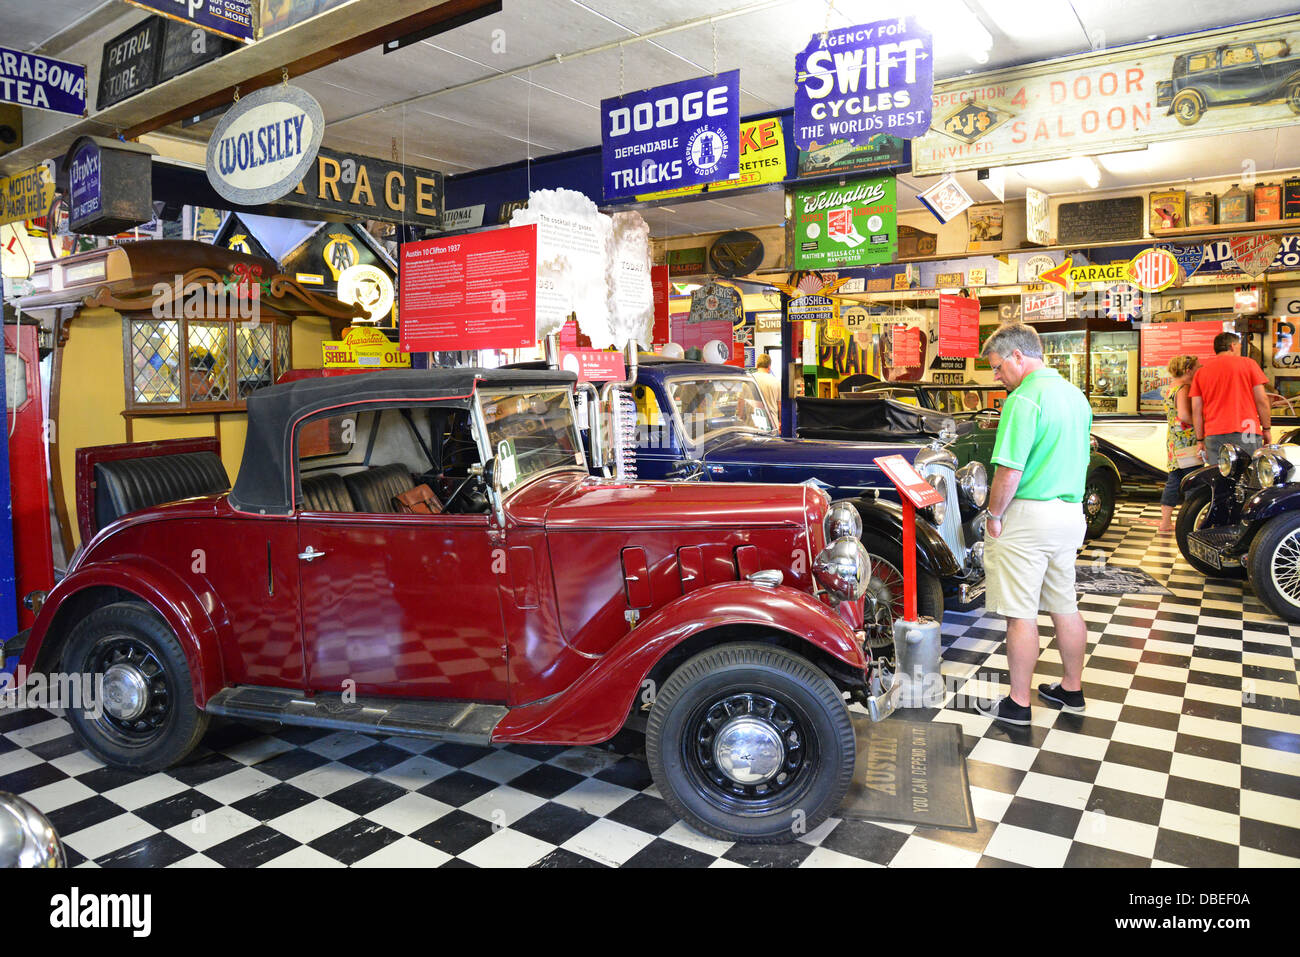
1223,81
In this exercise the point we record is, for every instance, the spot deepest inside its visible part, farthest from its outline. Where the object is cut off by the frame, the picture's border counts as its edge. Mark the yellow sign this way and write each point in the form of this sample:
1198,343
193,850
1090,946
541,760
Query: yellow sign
1151,270
363,347
25,195
239,243
762,161
340,253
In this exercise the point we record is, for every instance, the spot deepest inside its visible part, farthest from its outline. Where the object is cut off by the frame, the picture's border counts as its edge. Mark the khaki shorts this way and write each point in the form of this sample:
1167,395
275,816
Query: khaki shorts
1030,567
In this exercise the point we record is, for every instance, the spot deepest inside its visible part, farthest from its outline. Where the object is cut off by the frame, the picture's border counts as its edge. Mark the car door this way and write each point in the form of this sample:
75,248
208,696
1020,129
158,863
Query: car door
1239,75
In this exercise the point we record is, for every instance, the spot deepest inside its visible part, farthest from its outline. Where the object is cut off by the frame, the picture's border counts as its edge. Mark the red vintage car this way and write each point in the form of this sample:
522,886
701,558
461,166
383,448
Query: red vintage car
424,553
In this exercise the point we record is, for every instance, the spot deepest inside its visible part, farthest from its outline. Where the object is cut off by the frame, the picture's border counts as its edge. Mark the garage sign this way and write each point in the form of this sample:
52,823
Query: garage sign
265,145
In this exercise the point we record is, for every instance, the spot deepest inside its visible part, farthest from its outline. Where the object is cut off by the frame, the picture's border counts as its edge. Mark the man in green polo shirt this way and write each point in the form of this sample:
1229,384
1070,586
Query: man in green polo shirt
1035,519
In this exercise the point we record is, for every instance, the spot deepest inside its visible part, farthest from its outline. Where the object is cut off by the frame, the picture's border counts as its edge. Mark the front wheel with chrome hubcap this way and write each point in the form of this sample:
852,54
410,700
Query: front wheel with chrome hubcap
137,709
1098,504
1274,566
752,743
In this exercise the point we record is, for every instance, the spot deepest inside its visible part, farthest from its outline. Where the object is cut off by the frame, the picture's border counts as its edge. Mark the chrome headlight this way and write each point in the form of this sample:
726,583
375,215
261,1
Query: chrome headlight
26,837
842,521
973,482
1229,457
1270,469
843,569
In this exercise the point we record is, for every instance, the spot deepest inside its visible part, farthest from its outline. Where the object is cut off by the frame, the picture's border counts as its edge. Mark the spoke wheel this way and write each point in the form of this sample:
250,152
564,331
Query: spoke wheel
1274,564
1284,567
886,588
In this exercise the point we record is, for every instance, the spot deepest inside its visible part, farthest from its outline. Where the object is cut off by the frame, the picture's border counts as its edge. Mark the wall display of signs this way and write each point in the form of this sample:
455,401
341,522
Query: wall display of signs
1247,301
1106,101
949,280
1035,266
1218,256
364,347
945,199
984,228
913,242
369,287
856,81
1038,219
762,161
851,225
737,253
1254,254
679,134
230,18
951,363
1161,341
878,153
371,188
42,82
959,319
265,144
1100,220
476,291
1121,302
767,322
978,277
1188,257
109,186
25,195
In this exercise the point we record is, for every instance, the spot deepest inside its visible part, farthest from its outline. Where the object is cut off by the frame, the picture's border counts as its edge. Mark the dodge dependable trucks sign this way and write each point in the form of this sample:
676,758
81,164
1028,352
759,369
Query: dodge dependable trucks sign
42,83
681,134
265,144
857,81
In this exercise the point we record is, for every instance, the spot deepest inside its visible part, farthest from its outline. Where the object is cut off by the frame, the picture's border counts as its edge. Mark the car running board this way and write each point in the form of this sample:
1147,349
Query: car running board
463,722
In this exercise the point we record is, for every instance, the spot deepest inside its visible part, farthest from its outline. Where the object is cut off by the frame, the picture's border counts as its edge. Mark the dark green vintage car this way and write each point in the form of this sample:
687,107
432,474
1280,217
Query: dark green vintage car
964,417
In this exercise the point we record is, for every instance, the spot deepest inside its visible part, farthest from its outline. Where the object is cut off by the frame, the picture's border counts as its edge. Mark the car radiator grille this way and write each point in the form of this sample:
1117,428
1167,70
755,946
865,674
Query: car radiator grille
951,529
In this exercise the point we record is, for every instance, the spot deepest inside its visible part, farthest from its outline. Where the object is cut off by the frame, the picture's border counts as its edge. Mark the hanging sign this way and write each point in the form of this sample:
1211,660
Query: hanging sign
716,302
476,291
1161,341
1038,219
679,134
907,345
1227,80
762,161
370,188
851,225
265,144
877,153
25,195
130,62
369,287
1040,306
959,319
856,81
85,182
736,253
230,18
42,83
811,309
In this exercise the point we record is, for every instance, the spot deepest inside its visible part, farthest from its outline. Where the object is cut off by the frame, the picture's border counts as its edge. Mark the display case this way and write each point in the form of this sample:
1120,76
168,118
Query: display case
1066,352
1113,384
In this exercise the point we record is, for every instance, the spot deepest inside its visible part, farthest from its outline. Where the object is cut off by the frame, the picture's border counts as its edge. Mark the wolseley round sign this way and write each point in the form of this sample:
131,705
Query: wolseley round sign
265,144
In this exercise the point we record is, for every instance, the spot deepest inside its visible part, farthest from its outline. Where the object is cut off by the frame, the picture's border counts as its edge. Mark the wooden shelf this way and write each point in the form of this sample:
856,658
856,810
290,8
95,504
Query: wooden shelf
1229,229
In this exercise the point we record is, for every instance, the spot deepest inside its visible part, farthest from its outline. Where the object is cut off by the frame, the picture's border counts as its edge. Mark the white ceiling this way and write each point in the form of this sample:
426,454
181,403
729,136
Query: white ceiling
473,113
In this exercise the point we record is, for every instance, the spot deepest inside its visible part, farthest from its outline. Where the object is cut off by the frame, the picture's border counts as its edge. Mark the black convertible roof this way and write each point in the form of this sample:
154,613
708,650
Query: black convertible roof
264,485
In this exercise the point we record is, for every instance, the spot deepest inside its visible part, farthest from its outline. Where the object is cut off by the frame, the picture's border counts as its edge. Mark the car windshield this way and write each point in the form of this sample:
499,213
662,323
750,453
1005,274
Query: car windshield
712,404
531,432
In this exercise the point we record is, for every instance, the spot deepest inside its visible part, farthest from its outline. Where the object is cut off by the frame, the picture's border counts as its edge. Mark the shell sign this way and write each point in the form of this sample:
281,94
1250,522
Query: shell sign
363,347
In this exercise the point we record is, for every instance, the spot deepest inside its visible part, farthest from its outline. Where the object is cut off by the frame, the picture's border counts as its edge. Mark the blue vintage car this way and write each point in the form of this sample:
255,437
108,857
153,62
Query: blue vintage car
695,420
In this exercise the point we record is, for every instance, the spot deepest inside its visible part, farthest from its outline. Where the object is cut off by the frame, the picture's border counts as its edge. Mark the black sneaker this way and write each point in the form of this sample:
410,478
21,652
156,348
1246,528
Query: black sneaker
1071,701
1004,710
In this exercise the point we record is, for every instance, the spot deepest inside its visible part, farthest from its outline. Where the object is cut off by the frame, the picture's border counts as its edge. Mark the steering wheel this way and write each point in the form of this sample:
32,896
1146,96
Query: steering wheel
986,411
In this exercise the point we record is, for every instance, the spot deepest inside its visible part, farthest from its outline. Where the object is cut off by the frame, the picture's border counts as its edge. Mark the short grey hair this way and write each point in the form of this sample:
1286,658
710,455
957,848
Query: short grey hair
1012,336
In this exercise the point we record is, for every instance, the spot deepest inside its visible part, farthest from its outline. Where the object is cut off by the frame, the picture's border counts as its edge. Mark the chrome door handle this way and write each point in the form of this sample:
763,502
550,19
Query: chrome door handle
310,554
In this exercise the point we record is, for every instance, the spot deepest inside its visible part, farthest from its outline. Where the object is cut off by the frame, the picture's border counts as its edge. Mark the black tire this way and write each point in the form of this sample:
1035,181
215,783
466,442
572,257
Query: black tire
886,586
1188,107
794,700
1190,516
1274,565
130,637
1103,486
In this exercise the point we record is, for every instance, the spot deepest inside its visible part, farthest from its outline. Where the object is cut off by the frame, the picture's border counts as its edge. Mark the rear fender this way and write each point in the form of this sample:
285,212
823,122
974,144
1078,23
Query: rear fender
886,518
1098,462
135,578
596,706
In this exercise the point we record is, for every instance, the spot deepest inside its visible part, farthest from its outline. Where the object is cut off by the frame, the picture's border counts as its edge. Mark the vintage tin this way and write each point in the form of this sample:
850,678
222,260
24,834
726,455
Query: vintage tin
1268,202
1291,199
1200,210
1234,206
1168,209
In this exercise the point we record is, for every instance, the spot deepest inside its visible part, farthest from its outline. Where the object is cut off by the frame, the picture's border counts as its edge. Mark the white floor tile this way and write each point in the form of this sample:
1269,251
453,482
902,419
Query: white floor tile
1117,834
1004,753
1143,736
1209,728
1078,745
408,852
595,796
1122,777
416,772
60,794
685,835
507,848
504,805
237,785
608,842
39,733
210,828
1268,759
825,857
1201,821
155,787
409,813
303,857
1053,790
989,805
109,836
327,779
1031,848
501,766
312,820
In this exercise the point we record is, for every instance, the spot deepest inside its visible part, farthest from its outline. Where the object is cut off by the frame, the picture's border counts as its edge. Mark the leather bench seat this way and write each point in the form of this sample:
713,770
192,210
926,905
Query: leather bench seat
373,490
326,492
129,485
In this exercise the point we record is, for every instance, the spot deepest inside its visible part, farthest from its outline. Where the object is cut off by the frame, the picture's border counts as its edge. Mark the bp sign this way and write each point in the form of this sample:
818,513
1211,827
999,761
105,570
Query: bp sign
264,145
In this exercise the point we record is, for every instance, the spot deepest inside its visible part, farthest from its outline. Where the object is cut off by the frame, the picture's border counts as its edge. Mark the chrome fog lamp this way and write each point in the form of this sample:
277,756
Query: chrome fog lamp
842,521
1229,457
977,554
973,481
26,837
843,569
1269,470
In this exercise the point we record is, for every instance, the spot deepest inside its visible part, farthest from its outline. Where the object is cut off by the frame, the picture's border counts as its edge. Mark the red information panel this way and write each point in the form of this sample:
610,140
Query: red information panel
959,327
594,365
1161,341
908,481
907,346
696,335
475,291
659,283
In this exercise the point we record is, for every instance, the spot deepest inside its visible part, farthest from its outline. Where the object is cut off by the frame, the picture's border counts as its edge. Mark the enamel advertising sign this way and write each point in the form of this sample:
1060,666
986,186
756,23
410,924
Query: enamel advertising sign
857,81
42,83
1216,82
230,18
851,225
762,161
265,144
668,137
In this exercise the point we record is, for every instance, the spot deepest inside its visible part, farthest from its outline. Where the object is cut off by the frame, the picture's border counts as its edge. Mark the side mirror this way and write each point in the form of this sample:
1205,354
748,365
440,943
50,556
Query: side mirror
492,481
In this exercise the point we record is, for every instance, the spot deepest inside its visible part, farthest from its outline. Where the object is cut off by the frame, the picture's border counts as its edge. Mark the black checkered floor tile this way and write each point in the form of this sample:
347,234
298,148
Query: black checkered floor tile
1188,755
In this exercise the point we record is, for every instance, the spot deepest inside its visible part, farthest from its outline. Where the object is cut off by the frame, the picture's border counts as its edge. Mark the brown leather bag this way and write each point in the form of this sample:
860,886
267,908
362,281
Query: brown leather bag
419,501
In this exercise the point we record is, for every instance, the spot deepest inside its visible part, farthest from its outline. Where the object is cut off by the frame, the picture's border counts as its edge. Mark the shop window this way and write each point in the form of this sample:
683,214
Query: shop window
1239,56
201,365
1200,62
1273,49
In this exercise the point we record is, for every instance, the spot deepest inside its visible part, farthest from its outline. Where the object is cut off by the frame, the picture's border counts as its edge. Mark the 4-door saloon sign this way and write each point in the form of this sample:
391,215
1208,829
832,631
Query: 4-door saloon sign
667,137
42,83
264,146
230,18
1223,81
857,81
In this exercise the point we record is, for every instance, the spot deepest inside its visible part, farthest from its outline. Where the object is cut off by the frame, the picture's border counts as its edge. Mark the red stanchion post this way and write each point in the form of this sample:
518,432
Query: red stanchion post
909,560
